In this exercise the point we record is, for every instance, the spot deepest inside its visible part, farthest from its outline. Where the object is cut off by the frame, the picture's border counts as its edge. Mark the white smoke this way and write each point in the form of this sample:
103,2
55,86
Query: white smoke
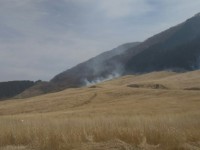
103,64
101,79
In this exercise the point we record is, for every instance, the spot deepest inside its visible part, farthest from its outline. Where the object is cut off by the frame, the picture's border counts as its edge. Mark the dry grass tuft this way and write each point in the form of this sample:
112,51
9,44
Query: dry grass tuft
166,132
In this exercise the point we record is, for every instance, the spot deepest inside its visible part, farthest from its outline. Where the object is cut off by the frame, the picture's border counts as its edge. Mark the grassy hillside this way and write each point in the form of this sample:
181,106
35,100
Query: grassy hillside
159,110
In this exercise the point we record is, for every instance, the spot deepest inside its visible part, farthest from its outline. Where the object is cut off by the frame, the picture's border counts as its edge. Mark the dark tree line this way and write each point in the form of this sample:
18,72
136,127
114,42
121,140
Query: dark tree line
13,88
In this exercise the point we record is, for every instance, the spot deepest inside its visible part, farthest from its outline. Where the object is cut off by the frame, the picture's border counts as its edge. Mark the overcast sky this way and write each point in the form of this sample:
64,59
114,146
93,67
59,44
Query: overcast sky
41,38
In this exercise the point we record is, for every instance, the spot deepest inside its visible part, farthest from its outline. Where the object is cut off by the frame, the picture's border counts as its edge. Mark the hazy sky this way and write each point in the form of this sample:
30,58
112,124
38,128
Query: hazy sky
41,38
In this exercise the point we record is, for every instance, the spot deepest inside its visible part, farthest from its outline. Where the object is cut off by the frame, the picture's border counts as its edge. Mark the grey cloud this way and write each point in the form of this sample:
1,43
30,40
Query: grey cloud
40,38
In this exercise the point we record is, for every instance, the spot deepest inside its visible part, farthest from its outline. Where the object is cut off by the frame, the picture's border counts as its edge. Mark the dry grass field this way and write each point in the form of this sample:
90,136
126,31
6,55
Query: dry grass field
155,111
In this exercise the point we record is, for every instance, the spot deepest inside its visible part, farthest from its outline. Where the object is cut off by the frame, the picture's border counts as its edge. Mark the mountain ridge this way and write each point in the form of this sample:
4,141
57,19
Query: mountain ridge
176,48
98,60
58,83
188,33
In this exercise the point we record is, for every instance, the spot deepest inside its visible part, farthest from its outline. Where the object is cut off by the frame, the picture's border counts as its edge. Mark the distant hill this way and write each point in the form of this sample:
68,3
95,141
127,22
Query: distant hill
185,57
80,74
13,88
177,49
149,93
174,49
93,69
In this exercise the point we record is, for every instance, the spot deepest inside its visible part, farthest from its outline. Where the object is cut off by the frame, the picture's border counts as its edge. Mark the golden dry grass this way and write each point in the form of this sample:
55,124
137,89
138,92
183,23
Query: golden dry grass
138,132
110,115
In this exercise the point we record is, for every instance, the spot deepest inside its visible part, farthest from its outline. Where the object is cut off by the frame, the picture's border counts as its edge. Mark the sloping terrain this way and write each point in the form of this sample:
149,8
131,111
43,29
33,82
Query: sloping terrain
159,88
154,111
159,57
174,49
177,49
160,112
81,74
92,69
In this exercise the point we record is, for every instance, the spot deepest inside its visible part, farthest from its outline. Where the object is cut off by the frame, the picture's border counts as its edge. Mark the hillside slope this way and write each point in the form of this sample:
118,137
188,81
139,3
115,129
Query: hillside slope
154,111
92,69
174,49
170,92
81,74
180,51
